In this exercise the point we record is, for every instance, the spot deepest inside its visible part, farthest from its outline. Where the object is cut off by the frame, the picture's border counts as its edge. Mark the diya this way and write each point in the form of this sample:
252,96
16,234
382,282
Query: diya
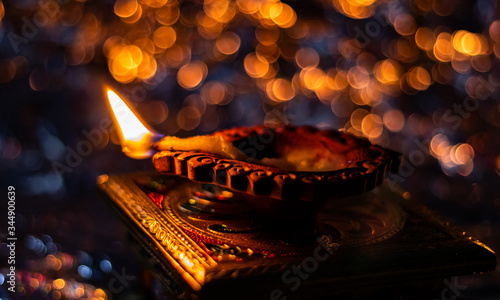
281,213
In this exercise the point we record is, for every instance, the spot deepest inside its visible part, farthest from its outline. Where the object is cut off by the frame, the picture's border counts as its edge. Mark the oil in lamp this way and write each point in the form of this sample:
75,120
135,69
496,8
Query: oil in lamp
279,213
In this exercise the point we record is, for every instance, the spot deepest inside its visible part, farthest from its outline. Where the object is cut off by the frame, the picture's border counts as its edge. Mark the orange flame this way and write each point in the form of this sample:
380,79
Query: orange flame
136,138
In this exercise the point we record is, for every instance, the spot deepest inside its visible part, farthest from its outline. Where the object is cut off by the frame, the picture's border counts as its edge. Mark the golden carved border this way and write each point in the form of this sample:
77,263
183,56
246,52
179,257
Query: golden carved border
160,235
187,258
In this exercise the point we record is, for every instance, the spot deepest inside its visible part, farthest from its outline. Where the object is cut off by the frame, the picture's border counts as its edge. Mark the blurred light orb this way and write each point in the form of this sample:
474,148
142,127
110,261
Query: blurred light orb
418,78
443,48
394,120
125,8
228,43
388,71
105,266
188,118
280,89
85,271
307,57
164,37
425,38
356,9
312,78
358,77
405,24
190,76
357,117
371,126
59,284
469,43
256,67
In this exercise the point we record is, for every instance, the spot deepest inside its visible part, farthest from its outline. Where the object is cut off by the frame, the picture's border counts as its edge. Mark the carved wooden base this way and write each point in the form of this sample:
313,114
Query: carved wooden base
208,242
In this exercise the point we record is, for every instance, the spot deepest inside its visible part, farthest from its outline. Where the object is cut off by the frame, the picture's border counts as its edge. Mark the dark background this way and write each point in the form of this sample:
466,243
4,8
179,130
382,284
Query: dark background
51,107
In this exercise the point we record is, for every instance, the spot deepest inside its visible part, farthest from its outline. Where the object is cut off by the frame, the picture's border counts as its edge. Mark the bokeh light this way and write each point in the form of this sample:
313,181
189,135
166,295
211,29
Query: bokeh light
419,77
191,75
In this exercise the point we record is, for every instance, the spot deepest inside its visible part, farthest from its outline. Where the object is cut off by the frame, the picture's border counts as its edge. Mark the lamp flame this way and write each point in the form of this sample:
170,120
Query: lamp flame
136,138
